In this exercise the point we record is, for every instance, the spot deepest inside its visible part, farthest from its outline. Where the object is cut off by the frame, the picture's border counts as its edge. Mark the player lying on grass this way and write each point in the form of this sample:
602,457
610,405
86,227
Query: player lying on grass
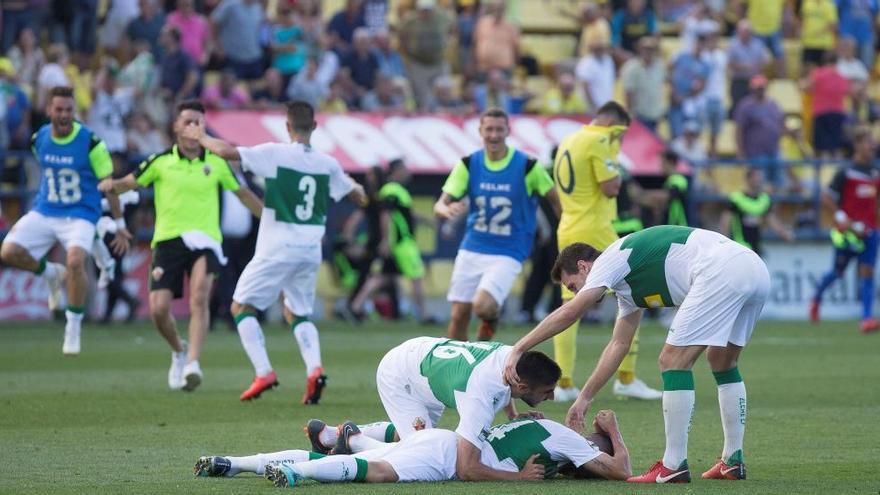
719,287
420,378
523,449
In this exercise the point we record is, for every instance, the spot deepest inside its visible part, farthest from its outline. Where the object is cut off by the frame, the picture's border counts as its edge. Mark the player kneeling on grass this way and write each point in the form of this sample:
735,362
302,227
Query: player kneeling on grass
719,287
420,378
523,449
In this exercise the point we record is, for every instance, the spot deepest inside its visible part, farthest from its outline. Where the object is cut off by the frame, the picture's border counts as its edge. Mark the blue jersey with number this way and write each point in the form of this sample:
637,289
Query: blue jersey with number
502,213
68,185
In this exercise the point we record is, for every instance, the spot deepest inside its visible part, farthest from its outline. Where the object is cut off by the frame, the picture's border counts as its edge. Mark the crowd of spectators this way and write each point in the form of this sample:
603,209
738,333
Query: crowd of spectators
131,64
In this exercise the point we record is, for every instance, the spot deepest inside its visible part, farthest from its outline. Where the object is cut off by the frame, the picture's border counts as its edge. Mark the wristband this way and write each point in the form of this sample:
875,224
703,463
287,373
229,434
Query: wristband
840,216
120,222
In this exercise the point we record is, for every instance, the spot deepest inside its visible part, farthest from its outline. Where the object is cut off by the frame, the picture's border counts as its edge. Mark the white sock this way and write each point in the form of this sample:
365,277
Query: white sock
382,431
53,270
254,344
360,443
74,322
678,406
257,463
333,468
328,436
306,334
101,254
732,402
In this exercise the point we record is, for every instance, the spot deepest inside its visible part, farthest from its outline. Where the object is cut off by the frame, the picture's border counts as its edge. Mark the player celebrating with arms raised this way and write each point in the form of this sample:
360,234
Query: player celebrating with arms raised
588,181
719,287
299,183
67,207
503,185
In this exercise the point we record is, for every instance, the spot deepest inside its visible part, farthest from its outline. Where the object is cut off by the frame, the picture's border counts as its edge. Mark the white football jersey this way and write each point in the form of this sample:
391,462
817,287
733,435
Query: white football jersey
507,447
300,181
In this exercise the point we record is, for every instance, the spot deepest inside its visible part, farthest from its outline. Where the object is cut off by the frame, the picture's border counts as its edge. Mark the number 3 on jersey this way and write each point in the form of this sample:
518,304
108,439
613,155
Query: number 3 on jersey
62,186
297,197
501,208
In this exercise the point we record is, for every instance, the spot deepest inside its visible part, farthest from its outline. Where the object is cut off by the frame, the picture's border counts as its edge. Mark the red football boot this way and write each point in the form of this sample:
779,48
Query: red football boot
260,385
315,384
869,325
661,474
814,312
722,471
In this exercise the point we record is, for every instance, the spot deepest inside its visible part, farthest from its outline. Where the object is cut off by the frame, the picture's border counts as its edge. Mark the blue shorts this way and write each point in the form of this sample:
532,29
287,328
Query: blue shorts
867,257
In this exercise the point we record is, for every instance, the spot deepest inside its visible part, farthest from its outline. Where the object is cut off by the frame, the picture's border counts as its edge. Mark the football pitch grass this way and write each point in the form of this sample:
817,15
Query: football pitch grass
105,422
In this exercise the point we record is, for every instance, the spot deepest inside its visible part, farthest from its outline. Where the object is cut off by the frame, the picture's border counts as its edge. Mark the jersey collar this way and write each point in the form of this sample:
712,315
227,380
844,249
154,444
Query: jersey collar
68,138
498,164
179,156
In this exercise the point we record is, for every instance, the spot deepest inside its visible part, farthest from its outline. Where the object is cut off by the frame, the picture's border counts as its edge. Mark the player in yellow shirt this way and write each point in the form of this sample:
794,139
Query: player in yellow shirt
587,181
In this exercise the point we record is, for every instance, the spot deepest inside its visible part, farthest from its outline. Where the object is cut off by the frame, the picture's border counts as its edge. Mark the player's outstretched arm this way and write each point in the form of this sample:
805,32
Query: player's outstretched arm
118,186
250,200
357,195
617,349
469,468
555,323
219,147
610,467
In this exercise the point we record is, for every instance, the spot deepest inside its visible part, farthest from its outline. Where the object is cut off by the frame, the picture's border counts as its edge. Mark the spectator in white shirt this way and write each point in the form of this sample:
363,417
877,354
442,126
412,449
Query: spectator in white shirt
696,23
595,73
716,86
850,66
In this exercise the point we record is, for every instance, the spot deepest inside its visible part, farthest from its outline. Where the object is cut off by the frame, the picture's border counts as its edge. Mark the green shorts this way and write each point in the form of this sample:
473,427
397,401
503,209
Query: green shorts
408,258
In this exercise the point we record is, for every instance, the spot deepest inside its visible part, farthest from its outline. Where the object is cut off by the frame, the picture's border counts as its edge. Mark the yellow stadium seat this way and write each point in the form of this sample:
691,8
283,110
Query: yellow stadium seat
550,48
787,94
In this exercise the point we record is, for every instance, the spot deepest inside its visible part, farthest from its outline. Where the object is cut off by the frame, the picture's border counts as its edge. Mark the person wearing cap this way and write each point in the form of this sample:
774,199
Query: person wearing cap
644,80
759,125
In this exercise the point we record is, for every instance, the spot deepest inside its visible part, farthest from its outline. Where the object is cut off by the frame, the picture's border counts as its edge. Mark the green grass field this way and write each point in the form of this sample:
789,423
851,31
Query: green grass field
105,422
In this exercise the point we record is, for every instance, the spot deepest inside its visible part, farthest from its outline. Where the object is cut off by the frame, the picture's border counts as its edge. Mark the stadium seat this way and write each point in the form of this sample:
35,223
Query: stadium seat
551,48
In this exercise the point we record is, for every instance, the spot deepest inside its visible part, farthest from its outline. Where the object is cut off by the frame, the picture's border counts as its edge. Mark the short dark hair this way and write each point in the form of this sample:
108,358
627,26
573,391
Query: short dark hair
616,111
602,442
670,156
301,116
536,368
568,259
194,105
395,165
60,91
495,112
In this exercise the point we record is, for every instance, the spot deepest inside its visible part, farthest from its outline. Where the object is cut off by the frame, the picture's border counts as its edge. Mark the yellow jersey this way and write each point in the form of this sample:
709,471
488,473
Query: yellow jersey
584,160
819,19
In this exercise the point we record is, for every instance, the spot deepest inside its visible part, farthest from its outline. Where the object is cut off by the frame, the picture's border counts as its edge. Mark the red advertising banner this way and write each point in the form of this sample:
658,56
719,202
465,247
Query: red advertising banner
428,143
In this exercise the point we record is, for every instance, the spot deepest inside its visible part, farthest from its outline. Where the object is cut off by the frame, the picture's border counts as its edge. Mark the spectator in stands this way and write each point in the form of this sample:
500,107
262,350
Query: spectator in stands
850,66
75,24
178,74
857,19
594,29
689,146
307,86
563,98
143,137
716,85
689,75
361,63
27,58
496,40
829,89
631,24
17,107
390,61
792,146
328,61
238,25
112,36
765,17
644,78
383,98
289,49
343,25
465,23
595,74
375,13
495,93
696,23
226,93
140,74
423,38
194,30
17,15
759,125
51,74
818,27
444,101
110,108
746,57
273,92
862,108
311,22
335,102
148,25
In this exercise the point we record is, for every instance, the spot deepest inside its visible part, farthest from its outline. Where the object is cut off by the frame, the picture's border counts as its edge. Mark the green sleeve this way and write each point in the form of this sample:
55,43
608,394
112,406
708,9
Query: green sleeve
457,183
102,164
226,177
538,181
146,173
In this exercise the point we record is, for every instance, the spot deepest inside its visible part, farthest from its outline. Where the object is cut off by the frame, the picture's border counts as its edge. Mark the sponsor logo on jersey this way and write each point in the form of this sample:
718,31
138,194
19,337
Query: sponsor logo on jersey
418,424
491,186
654,301
58,159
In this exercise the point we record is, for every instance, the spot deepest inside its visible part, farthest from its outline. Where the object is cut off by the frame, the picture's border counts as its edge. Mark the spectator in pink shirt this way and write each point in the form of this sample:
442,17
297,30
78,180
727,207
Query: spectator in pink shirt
195,31
226,94
829,89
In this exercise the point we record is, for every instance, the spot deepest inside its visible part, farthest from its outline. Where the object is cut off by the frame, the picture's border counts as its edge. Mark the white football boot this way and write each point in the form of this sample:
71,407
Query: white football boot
637,389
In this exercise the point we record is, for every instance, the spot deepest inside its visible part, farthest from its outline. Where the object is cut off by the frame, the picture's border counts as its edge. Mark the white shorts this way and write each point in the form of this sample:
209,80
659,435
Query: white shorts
263,279
37,233
493,273
399,383
724,302
428,455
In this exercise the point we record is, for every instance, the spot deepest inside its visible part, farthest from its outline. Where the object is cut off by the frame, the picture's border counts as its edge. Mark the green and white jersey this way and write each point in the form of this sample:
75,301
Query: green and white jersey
654,268
508,446
300,182
466,376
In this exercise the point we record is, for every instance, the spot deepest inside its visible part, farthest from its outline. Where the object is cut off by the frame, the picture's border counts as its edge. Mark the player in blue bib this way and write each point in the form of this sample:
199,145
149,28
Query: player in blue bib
72,162
503,185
